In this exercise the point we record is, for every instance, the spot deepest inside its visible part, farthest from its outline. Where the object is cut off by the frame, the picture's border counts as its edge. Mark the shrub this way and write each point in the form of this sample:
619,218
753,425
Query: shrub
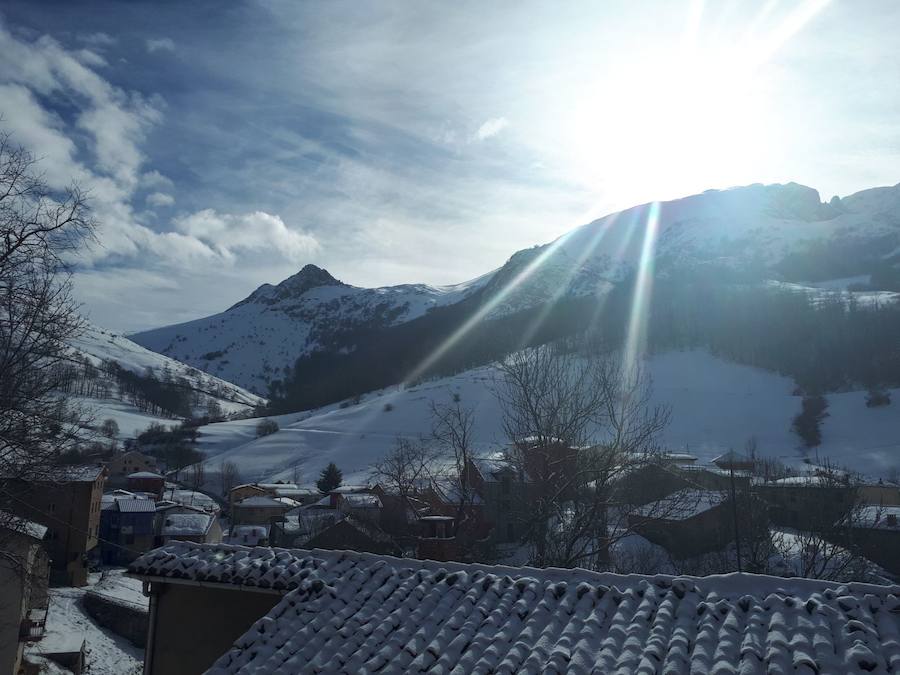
266,427
388,407
877,397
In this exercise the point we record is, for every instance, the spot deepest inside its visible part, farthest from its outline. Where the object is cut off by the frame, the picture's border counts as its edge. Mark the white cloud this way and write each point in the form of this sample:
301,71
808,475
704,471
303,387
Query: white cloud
160,199
491,127
160,44
99,39
258,231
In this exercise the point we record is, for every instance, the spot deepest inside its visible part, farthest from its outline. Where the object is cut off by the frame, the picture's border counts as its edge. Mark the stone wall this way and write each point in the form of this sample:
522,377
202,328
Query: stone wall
122,618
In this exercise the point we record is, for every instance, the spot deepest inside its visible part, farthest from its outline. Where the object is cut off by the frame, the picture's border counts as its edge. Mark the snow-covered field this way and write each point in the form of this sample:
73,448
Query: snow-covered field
716,405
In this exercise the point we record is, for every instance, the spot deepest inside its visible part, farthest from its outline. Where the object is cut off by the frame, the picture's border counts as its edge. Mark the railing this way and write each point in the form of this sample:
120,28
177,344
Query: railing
32,627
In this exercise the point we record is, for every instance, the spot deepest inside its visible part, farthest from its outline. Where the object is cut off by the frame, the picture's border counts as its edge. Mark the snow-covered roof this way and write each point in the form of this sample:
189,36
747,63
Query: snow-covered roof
262,500
681,505
135,506
251,535
144,474
277,486
361,501
187,524
350,489
478,618
78,473
20,525
879,517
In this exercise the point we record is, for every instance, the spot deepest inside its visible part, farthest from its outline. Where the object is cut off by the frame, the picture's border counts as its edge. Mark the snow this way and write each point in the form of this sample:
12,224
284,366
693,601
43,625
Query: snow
682,505
357,612
191,498
716,406
113,584
68,625
186,524
253,341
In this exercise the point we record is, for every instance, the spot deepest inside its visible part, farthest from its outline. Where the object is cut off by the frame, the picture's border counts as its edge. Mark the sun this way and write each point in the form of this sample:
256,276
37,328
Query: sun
672,119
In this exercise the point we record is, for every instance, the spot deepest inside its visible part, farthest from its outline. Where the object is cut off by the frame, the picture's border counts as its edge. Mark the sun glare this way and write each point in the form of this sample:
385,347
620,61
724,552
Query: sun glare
672,117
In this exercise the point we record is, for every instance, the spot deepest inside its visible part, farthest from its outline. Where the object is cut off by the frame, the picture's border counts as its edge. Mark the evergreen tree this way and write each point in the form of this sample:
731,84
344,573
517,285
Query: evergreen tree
330,478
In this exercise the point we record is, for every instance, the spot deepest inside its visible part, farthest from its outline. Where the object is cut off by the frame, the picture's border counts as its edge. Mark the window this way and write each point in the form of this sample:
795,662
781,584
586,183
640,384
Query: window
52,507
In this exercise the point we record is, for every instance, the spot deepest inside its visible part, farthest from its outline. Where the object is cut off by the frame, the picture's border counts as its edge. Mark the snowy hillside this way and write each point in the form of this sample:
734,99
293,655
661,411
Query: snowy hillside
98,347
716,405
780,233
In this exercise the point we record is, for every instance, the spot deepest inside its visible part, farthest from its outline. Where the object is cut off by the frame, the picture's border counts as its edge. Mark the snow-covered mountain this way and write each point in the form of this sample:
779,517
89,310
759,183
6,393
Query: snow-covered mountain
105,400
774,233
251,342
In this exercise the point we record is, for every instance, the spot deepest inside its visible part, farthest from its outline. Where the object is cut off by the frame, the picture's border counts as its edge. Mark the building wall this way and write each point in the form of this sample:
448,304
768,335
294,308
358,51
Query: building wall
195,625
23,586
71,512
256,515
130,462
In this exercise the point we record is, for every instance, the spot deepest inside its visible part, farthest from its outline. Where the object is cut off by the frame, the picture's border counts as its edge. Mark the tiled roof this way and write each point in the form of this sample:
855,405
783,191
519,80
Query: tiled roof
681,505
136,506
355,612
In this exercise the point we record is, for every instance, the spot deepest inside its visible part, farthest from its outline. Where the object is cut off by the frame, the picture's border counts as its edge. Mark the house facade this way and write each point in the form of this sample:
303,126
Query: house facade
24,576
126,530
68,505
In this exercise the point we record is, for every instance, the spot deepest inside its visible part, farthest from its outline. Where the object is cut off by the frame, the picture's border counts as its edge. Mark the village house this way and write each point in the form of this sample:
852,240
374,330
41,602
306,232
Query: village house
249,535
146,481
301,495
690,522
279,610
67,503
505,493
126,529
24,575
811,501
260,510
875,531
353,534
187,525
124,463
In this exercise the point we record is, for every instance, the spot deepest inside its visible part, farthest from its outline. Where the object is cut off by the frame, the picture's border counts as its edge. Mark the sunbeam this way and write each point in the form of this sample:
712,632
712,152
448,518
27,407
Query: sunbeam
636,337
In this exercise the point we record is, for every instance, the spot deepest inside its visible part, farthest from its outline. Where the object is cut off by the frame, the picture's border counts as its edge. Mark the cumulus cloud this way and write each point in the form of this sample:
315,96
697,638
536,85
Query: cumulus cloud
491,127
160,44
160,199
258,231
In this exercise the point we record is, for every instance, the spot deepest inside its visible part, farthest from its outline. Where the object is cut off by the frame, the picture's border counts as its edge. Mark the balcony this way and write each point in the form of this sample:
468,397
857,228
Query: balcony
32,627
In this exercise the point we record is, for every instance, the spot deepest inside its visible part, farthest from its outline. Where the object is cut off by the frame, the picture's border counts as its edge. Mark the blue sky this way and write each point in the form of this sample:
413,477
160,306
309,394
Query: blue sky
228,144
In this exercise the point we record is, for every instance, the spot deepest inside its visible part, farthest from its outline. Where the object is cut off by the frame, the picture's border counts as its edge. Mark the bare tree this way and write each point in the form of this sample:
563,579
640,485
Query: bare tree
40,231
453,428
228,473
404,469
578,421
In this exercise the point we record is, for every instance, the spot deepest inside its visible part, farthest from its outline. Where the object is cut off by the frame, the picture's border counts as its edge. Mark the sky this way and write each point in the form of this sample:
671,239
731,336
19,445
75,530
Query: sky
225,145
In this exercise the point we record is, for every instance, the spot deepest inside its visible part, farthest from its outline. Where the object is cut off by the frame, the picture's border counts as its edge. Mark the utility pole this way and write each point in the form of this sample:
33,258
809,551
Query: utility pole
737,529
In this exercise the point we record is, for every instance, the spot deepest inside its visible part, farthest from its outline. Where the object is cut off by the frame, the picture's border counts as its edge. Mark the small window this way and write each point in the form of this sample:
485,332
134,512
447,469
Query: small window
52,507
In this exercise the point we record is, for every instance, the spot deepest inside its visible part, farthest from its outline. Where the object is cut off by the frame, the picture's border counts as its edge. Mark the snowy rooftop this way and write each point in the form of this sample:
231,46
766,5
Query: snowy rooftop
186,524
356,612
681,505
135,506
879,517
264,501
361,501
144,474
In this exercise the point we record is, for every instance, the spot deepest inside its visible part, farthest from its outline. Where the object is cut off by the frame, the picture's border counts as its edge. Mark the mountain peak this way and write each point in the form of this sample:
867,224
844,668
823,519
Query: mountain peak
309,277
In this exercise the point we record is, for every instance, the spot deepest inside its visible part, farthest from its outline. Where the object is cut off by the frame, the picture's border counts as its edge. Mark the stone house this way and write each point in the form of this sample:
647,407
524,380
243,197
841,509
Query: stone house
24,575
67,503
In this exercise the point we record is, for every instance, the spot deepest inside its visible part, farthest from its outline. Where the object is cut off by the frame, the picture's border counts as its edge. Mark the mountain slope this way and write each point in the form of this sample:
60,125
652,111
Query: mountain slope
716,405
104,396
758,233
